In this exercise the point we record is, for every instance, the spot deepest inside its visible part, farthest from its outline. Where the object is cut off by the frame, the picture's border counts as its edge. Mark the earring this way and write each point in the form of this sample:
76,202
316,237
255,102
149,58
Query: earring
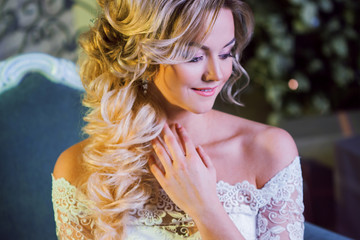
144,86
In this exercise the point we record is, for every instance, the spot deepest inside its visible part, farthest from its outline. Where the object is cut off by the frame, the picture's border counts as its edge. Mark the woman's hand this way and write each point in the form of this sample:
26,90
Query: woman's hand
187,174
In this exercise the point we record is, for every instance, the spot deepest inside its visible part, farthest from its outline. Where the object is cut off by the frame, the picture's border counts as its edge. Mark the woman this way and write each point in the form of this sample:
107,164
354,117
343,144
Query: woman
159,163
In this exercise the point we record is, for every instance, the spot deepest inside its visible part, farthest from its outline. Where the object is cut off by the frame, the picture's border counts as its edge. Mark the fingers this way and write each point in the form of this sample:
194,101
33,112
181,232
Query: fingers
169,159
205,158
176,150
162,154
185,140
156,171
177,128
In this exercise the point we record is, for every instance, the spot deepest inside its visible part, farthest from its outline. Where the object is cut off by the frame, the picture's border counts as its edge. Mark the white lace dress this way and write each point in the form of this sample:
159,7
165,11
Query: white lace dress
272,212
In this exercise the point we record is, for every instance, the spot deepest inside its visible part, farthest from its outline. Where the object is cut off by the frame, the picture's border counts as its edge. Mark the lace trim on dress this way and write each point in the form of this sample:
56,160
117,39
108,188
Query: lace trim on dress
272,212
71,215
161,212
279,187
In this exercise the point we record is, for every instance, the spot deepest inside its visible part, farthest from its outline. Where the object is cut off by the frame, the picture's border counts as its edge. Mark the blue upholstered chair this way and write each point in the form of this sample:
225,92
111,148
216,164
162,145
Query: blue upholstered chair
40,116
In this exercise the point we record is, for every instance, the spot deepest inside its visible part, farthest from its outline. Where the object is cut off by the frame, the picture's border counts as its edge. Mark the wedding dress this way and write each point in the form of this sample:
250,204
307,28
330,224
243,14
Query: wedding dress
273,212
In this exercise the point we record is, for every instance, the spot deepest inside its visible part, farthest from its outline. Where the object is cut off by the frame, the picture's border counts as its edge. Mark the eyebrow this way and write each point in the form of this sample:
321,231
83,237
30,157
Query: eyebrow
207,48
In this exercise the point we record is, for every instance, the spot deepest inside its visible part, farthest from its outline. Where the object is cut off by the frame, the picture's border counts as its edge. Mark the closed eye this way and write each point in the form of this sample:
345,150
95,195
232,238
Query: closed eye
225,56
197,59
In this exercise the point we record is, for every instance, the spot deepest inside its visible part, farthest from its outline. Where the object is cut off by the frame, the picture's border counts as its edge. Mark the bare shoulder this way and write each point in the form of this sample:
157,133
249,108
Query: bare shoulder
277,144
274,149
68,164
264,149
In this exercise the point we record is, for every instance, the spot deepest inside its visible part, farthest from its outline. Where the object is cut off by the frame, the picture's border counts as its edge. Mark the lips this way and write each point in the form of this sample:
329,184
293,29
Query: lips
206,92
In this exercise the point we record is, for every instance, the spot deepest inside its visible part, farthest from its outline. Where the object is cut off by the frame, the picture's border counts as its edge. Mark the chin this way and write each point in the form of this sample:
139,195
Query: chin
200,109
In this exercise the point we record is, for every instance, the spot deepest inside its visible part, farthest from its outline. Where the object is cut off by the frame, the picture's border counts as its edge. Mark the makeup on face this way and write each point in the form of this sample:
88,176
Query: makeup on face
193,86
204,50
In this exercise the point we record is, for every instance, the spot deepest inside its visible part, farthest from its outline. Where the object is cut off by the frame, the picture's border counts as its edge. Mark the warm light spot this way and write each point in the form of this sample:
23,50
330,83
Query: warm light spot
293,84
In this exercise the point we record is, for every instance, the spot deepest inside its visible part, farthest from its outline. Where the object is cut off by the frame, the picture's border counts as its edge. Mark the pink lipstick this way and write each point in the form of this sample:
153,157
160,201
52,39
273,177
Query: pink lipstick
206,92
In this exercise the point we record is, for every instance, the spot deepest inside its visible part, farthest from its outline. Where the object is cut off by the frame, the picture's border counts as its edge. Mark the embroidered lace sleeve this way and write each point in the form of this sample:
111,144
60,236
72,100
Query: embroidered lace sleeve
71,215
282,216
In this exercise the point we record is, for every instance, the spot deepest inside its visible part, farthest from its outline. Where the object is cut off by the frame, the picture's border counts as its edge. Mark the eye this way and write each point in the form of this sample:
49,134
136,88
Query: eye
225,56
197,59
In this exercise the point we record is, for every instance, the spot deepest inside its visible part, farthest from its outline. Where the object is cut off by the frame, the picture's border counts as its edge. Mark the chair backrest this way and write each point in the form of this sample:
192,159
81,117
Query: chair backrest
40,116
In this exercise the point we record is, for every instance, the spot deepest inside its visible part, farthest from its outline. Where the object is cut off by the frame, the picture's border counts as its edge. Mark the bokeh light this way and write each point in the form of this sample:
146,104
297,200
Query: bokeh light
293,84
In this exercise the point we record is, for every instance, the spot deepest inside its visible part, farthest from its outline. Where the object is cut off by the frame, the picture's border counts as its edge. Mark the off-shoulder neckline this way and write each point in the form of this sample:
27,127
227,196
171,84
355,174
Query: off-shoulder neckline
223,183
220,183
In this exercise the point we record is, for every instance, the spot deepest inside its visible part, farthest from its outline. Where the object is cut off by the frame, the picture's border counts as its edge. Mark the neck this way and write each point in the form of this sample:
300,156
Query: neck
195,124
185,118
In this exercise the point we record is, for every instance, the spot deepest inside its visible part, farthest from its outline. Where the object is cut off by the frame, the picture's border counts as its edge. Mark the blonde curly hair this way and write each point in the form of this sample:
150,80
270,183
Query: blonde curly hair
126,44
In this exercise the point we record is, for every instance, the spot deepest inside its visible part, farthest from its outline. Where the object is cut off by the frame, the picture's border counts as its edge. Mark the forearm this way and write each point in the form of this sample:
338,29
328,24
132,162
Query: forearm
214,225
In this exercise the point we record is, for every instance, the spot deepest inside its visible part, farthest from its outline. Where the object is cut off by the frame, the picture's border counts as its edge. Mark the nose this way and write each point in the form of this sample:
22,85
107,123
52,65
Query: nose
213,71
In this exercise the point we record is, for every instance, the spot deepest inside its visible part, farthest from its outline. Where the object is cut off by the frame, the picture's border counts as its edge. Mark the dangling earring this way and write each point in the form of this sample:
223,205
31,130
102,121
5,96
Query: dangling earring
144,86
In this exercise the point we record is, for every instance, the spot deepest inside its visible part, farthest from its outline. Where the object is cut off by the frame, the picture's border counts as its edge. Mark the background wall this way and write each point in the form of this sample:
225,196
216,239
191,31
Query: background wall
50,26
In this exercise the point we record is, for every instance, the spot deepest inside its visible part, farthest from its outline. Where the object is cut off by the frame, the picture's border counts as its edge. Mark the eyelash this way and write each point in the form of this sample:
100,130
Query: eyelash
222,56
196,59
225,56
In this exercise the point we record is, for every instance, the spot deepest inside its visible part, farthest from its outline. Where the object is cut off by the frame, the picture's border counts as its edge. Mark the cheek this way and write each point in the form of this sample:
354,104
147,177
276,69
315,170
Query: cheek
172,78
187,75
228,71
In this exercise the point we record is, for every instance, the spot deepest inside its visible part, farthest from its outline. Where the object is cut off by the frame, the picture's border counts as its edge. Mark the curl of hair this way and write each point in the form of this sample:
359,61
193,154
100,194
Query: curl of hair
126,44
244,28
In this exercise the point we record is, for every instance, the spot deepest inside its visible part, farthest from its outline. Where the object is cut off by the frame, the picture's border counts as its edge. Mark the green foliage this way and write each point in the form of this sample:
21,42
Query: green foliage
316,42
